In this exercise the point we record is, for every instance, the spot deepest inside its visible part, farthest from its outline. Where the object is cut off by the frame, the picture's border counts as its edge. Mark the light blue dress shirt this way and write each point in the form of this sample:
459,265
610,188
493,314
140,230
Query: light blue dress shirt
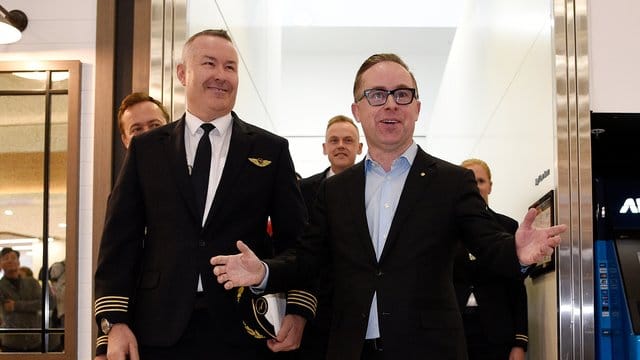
381,196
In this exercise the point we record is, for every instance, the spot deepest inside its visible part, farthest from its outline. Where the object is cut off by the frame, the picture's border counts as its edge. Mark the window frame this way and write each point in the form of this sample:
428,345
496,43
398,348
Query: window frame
73,67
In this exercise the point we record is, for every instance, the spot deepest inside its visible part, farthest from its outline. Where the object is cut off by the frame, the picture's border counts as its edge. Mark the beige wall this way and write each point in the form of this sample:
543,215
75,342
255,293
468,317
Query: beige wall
614,55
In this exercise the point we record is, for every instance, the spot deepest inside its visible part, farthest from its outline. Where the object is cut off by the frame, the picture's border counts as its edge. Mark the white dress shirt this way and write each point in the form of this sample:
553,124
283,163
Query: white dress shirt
220,138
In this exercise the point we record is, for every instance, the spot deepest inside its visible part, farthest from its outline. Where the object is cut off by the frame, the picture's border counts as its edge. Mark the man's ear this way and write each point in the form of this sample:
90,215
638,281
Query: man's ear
355,111
359,148
324,148
180,72
125,141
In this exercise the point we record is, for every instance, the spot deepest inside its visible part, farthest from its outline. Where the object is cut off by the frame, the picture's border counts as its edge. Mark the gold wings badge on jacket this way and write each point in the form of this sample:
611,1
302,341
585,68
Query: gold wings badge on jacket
260,162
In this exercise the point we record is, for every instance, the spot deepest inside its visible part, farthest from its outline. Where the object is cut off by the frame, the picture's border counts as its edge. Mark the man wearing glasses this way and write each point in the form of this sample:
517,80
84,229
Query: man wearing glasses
388,228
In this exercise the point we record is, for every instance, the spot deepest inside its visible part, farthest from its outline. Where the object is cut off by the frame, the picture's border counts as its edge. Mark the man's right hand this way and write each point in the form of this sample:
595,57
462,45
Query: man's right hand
122,344
244,269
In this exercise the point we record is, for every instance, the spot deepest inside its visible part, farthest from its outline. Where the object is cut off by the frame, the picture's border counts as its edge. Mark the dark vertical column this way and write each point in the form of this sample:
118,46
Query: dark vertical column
123,74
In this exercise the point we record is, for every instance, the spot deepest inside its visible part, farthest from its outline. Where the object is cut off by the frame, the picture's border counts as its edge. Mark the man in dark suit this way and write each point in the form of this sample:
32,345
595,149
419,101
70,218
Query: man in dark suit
139,113
494,308
341,145
155,295
388,228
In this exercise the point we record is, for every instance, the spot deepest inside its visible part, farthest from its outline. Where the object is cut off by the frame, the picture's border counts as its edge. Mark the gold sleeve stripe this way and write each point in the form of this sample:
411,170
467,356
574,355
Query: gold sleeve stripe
302,294
304,305
112,300
102,340
310,301
110,310
522,337
104,298
111,303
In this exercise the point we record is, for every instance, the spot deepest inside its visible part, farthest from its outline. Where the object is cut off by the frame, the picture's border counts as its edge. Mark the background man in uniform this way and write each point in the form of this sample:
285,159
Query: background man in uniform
341,145
139,113
494,308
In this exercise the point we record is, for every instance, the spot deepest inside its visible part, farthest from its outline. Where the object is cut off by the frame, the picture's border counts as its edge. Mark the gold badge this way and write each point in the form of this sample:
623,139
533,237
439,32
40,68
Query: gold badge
260,162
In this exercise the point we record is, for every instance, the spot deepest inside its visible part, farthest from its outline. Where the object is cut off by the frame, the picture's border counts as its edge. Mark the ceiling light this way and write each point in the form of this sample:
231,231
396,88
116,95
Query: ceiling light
12,23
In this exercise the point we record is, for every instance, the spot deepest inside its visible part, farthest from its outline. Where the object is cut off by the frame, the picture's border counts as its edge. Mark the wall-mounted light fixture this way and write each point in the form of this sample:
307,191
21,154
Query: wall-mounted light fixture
12,23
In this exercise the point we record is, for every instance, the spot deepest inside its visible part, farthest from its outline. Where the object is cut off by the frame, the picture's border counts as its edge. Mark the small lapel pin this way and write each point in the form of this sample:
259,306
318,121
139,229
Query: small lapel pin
423,173
260,162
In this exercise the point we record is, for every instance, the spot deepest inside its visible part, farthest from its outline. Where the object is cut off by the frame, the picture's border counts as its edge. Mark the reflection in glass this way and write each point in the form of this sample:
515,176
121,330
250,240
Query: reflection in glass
23,80
59,80
33,193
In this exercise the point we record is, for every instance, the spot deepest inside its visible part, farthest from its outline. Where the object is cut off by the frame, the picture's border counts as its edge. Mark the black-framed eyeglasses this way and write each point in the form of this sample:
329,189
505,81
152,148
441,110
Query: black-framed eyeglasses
378,97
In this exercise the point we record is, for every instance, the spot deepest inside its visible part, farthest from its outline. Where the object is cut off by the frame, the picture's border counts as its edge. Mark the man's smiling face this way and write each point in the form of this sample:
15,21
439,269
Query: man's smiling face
209,72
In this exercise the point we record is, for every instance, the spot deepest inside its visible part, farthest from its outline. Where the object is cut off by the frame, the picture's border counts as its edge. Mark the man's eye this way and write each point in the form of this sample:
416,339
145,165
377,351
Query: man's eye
377,95
402,94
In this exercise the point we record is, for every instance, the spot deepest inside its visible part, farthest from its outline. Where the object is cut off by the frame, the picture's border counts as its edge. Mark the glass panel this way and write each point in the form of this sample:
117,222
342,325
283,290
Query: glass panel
57,216
22,134
59,124
35,123
23,80
60,80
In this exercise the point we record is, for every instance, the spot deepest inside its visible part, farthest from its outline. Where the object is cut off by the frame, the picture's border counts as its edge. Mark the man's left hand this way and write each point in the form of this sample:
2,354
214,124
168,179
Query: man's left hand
290,334
533,244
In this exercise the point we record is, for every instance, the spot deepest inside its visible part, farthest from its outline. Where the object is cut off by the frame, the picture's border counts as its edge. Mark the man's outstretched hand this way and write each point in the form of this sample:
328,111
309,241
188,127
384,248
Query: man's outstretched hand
533,244
243,269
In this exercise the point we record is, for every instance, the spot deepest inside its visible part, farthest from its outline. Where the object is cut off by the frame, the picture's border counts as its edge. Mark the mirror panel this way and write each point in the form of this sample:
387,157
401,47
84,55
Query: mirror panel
39,140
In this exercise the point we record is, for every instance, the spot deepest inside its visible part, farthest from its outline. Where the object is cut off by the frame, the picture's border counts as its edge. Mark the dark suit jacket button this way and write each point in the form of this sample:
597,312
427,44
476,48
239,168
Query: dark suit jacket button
380,273
201,243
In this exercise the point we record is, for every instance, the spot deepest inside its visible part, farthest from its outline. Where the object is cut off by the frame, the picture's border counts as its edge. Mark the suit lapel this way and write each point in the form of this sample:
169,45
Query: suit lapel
239,146
177,155
356,184
422,170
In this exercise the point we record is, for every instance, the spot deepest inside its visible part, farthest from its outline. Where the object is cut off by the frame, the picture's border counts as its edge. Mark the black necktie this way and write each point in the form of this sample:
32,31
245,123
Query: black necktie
201,166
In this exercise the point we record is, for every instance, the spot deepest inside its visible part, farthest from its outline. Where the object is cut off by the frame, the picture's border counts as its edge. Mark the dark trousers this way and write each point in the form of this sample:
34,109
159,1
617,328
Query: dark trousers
478,345
199,342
